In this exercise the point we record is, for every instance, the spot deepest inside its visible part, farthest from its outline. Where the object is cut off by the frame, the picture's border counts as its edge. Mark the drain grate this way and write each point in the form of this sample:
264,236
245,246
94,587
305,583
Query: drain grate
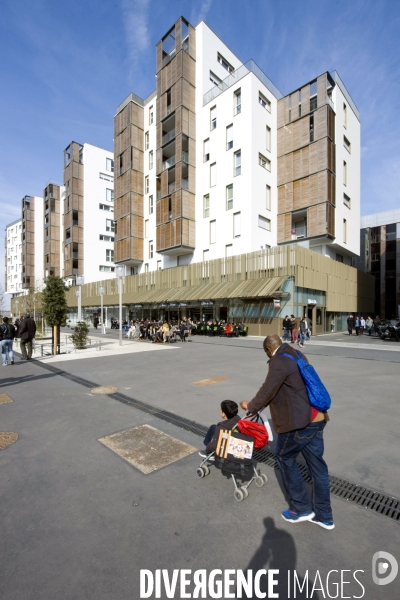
377,502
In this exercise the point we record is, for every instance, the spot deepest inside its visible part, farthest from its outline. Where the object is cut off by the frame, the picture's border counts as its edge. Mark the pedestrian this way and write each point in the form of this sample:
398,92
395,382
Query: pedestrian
357,325
300,430
369,324
7,335
350,324
287,328
27,332
362,325
96,321
16,326
294,328
377,322
302,332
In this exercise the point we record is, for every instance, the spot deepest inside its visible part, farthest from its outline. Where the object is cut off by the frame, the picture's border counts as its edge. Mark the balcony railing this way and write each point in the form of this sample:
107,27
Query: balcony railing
185,184
185,156
168,136
169,162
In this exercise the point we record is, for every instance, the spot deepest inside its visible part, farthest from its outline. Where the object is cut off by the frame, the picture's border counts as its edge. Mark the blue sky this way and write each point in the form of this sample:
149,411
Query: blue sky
67,65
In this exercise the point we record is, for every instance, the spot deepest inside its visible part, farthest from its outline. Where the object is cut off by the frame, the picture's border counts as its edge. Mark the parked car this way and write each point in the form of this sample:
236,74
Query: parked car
389,329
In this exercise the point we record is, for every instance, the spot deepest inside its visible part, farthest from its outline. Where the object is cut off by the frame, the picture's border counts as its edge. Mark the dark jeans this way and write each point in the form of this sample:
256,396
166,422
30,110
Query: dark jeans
209,434
286,334
310,442
350,330
26,348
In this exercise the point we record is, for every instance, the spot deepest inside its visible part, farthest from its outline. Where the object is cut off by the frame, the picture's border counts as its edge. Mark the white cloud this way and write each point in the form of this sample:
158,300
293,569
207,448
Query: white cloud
135,15
200,15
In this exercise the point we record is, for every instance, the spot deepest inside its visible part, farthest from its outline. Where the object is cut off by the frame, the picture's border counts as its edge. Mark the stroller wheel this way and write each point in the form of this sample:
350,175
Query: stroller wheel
259,481
200,472
206,470
264,477
245,492
238,495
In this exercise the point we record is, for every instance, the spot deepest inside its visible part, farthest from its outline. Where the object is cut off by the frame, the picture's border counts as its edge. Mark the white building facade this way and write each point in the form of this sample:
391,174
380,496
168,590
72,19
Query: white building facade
13,259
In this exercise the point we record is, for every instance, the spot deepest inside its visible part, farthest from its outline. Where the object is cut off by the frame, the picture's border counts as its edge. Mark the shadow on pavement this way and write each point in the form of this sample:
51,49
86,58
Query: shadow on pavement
9,381
277,551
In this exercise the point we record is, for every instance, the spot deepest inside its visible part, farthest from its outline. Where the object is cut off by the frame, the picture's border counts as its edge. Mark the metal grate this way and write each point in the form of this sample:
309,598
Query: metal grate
388,506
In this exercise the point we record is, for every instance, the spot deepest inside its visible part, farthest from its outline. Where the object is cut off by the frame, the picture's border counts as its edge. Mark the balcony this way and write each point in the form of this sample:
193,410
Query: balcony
168,136
169,162
171,187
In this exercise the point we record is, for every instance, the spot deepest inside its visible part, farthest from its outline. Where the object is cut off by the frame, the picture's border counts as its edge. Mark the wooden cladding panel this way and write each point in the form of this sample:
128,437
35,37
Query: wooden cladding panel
164,183
130,136
137,226
317,220
284,227
159,56
286,109
137,248
331,124
331,187
158,160
192,179
124,228
295,106
192,42
315,189
188,96
312,158
131,114
331,156
188,233
188,68
321,89
330,219
305,100
188,205
281,113
122,206
125,162
321,123
129,181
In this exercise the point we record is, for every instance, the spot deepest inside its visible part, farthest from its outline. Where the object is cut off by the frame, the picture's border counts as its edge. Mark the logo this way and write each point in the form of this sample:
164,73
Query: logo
381,575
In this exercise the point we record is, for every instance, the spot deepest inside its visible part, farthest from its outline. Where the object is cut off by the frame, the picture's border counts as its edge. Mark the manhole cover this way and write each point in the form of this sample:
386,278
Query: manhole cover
147,448
210,381
4,399
103,389
7,438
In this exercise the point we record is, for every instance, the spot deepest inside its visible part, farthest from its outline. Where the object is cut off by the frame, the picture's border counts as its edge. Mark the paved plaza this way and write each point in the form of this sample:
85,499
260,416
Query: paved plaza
80,521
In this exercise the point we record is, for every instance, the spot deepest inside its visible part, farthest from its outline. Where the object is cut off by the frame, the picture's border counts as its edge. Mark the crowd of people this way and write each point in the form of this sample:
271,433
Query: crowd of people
359,325
296,332
25,330
161,331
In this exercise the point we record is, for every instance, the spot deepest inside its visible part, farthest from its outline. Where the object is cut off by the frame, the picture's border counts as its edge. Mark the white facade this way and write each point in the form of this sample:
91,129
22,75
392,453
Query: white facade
39,216
151,259
13,259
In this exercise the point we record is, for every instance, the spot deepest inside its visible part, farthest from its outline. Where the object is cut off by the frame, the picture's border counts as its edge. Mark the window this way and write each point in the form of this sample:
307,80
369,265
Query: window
228,250
237,163
213,118
214,79
107,268
151,115
268,197
105,207
229,137
110,226
206,150
106,177
346,143
109,255
213,236
169,208
229,197
109,195
106,238
313,96
264,223
213,174
150,159
344,172
344,116
265,103
264,162
236,225
339,258
146,140
206,255
237,102
159,267
146,267
151,205
206,206
346,200
311,128
109,165
222,61
151,249
146,228
344,231
146,185
268,139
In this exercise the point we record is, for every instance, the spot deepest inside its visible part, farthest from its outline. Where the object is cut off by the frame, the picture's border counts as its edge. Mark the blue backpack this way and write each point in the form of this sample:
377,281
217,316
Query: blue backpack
318,395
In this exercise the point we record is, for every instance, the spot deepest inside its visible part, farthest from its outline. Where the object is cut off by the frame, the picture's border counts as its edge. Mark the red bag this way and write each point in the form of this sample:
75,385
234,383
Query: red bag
255,430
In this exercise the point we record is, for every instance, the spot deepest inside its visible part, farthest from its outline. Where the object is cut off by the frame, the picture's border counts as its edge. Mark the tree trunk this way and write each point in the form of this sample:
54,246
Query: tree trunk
55,339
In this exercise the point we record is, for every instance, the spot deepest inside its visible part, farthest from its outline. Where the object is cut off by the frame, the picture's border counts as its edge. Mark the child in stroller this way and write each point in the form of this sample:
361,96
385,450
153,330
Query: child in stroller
232,451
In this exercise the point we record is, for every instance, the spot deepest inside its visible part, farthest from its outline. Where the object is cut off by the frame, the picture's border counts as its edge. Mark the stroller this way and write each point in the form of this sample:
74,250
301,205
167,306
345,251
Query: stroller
234,456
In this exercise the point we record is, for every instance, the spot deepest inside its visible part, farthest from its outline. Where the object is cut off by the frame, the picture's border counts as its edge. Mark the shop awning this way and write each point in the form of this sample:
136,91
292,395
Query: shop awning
250,288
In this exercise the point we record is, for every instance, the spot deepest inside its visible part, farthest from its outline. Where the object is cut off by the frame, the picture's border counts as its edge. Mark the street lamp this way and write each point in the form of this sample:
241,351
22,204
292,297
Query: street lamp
17,304
101,291
119,271
80,279
34,308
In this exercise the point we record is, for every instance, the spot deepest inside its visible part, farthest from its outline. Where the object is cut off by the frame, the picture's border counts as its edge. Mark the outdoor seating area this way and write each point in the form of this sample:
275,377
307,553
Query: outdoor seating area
163,332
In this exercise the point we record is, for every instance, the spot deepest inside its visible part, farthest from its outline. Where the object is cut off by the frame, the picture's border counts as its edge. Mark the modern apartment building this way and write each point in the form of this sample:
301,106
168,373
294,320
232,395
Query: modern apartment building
13,259
88,228
380,256
32,242
216,162
53,210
